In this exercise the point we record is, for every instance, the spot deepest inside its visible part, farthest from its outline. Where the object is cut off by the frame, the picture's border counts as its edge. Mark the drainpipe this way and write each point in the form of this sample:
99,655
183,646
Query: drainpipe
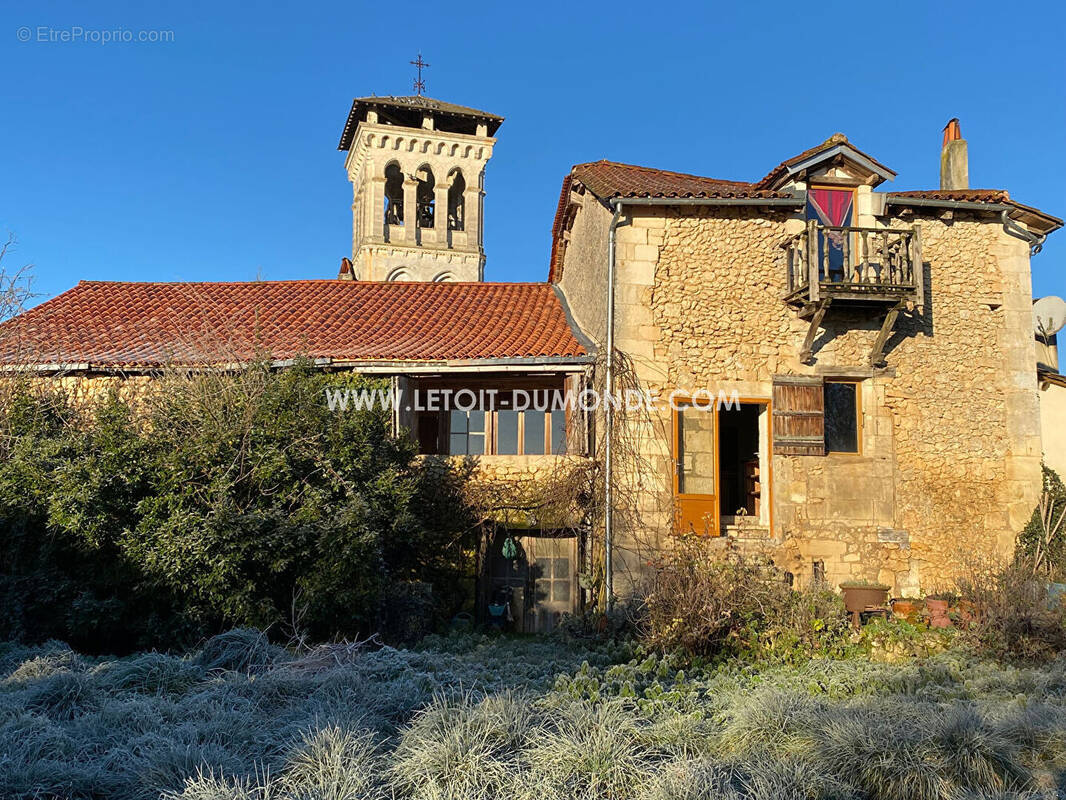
1035,240
608,489
617,203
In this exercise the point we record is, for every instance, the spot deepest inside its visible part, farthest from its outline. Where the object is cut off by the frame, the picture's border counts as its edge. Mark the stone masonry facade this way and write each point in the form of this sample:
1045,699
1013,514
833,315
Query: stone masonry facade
949,464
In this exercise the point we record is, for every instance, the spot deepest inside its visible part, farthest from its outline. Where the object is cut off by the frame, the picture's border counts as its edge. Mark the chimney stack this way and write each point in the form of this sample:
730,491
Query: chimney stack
954,163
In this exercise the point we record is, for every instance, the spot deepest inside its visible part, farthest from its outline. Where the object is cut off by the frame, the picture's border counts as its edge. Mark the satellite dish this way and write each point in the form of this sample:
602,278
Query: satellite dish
1049,315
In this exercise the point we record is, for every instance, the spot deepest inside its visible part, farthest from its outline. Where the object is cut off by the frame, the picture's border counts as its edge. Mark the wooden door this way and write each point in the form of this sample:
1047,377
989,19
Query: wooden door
696,470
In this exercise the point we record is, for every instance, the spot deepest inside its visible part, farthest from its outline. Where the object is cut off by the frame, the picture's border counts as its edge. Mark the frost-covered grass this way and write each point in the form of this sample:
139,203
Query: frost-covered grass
476,718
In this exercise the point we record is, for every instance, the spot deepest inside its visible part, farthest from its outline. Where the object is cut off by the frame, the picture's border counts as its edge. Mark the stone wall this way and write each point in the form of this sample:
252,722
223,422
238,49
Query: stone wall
85,389
407,251
949,463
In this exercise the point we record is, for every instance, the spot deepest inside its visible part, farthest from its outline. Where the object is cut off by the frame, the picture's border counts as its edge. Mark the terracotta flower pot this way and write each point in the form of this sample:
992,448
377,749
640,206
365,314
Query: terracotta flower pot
906,609
938,613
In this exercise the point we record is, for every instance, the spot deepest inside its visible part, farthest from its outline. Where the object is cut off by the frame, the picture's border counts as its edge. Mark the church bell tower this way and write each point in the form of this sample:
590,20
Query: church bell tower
417,167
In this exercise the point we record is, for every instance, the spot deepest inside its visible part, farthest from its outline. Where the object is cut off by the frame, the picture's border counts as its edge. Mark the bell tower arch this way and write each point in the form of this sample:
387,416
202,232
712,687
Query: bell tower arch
417,168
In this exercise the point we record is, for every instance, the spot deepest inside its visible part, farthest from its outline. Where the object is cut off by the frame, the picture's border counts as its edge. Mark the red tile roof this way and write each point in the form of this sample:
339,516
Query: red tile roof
124,325
962,195
1037,220
607,179
781,169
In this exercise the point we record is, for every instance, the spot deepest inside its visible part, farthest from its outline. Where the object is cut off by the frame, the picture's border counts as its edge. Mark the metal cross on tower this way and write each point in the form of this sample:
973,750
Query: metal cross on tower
420,85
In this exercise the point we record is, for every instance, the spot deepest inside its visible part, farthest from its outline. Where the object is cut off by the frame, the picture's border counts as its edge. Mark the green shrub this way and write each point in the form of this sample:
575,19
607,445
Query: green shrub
219,499
1031,537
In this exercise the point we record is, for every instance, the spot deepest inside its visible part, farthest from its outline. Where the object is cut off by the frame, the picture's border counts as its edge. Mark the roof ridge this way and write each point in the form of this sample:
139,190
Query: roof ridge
89,282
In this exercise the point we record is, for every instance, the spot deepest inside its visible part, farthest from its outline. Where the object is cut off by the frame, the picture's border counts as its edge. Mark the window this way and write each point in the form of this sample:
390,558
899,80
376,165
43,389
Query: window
485,418
393,194
467,433
456,200
529,433
558,431
533,436
424,197
506,432
843,414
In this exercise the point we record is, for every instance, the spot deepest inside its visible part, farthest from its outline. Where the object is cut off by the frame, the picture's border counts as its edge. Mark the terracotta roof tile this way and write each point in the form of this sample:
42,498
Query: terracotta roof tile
837,138
962,195
1039,221
146,324
607,179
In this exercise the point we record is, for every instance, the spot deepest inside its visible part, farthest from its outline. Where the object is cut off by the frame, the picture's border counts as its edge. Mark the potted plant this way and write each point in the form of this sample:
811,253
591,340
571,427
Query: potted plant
937,606
860,596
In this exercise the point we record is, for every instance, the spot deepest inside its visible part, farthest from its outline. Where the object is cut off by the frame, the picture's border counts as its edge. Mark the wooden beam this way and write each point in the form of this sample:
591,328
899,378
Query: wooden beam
817,315
918,269
877,352
812,260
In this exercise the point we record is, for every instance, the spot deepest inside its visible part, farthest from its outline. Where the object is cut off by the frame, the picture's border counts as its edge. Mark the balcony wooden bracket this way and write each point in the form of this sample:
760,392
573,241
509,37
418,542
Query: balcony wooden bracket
877,352
816,312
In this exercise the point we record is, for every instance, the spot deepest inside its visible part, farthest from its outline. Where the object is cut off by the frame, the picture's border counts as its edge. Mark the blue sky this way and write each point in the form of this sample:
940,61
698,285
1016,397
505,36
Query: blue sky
213,157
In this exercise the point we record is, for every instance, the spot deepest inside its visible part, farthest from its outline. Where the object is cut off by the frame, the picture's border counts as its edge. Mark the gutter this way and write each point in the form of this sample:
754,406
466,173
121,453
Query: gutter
545,364
1035,240
787,202
930,202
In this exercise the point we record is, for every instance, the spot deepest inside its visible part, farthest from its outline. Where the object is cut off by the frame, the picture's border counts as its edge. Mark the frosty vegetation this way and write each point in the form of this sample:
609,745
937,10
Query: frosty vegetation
471,717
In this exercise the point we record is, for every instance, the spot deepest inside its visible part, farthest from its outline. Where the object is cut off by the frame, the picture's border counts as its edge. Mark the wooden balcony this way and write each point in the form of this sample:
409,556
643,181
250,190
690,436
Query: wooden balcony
879,269
854,265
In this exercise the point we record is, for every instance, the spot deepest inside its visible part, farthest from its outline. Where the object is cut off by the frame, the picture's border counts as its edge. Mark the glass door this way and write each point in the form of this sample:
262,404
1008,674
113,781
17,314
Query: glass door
695,470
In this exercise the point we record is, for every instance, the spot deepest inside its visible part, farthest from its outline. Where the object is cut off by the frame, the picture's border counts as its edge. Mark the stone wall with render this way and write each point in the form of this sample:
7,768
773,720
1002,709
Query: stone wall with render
949,467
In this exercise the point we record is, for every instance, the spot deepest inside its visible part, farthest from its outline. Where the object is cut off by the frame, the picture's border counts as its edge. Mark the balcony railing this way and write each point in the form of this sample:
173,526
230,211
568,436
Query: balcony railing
857,264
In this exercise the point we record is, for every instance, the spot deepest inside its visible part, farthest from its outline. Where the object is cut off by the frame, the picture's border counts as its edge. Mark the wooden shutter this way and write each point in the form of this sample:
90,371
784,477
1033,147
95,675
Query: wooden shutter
799,415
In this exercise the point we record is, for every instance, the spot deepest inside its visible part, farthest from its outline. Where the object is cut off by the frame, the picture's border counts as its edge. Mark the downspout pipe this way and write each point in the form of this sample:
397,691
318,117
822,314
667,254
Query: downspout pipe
1035,240
608,456
617,204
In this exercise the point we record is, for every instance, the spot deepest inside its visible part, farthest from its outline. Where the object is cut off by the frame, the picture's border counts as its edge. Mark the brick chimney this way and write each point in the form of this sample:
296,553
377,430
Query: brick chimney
954,164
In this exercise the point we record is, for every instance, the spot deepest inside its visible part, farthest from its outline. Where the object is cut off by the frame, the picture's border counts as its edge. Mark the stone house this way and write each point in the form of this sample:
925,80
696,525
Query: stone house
878,345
